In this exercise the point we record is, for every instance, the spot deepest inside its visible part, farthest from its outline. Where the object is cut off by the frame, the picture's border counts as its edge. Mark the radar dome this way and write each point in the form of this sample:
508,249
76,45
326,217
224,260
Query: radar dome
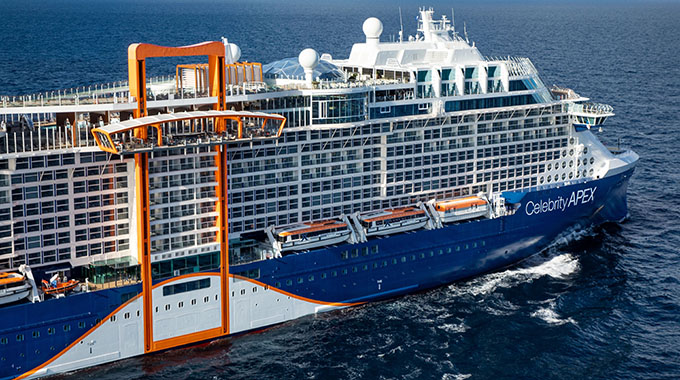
308,58
372,28
235,52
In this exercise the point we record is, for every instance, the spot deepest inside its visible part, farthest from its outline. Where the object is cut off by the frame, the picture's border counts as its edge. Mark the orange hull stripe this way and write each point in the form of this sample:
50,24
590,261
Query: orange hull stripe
187,339
294,295
90,331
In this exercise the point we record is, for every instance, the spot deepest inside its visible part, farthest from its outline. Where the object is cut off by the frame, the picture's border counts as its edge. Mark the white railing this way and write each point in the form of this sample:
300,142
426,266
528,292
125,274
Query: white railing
598,109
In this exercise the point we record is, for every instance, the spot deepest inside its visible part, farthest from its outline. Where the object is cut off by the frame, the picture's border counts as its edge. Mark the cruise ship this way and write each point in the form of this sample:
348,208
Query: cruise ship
158,212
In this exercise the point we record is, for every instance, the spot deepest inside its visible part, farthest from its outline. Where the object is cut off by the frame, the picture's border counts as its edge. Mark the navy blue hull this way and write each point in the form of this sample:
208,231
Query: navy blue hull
386,267
377,269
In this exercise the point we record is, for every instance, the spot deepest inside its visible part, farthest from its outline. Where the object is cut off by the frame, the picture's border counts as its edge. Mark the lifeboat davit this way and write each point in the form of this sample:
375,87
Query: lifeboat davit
309,235
454,210
391,221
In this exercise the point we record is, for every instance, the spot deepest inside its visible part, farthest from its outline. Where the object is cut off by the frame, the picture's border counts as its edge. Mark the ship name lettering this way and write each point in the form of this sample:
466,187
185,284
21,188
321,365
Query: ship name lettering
577,197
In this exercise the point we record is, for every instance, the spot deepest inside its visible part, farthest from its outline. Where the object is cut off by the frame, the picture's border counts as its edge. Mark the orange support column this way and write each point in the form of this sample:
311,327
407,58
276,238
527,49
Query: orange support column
144,242
223,231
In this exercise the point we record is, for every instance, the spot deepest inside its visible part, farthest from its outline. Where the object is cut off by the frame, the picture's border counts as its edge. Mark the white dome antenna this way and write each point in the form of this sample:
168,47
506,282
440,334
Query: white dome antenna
232,53
308,59
372,29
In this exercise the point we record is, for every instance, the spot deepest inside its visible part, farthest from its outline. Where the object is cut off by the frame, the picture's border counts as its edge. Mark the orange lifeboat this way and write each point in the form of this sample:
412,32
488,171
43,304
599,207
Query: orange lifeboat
390,221
308,235
58,287
454,210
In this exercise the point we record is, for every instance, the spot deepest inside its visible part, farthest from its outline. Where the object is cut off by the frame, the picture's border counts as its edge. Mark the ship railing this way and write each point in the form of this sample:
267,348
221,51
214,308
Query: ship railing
594,109
43,139
517,66
107,93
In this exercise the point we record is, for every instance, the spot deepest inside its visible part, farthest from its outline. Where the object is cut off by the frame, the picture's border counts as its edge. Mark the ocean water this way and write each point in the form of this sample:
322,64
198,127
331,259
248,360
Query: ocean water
600,304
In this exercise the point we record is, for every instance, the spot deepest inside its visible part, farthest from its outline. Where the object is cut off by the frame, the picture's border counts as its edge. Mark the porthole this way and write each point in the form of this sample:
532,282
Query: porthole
590,171
193,302
36,334
355,269
564,153
289,282
167,307
180,305
571,164
20,337
344,271
571,152
564,164
548,178
571,175
564,176
243,292
3,341
311,277
323,275
113,317
542,179
549,166
571,141
585,150
403,259
585,173
206,299
67,328
51,331
592,160
300,280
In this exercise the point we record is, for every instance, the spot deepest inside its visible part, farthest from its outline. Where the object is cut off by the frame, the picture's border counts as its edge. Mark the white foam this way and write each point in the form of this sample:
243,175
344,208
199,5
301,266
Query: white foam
550,316
458,328
451,376
558,267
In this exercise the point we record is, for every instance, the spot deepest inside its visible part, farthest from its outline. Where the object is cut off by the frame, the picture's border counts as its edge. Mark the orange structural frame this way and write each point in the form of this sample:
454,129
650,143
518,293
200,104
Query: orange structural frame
137,55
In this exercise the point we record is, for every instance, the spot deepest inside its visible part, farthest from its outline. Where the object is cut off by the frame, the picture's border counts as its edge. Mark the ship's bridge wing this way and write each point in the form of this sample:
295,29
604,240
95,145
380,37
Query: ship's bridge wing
187,128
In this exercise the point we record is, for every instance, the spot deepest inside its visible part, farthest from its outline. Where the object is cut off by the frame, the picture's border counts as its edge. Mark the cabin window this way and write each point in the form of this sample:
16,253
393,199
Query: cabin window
375,265
3,341
374,249
422,255
311,277
167,307
448,250
467,246
206,299
36,334
289,282
300,280
50,331
127,316
403,259
334,273
344,255
364,251
458,248
355,269
483,243
394,261
344,271
277,284
67,328
365,267
413,257
20,337
243,292
355,253
323,275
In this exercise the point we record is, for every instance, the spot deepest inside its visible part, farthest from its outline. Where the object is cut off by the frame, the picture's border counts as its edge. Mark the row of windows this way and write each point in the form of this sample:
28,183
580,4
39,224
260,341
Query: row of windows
45,161
186,287
378,264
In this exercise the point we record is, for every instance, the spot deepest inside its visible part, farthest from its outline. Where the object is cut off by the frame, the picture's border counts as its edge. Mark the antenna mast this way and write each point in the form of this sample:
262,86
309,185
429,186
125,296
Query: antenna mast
401,30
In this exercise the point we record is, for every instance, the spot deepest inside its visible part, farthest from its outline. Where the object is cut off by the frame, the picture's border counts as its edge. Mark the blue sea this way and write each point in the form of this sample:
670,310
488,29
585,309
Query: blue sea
603,304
